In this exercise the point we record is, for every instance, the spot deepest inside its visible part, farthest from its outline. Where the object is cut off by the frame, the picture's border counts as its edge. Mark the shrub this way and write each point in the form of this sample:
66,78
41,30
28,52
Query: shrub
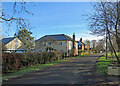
14,61
11,62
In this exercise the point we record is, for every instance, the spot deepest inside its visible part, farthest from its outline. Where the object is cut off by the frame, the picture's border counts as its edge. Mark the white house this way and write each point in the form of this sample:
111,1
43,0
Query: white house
59,42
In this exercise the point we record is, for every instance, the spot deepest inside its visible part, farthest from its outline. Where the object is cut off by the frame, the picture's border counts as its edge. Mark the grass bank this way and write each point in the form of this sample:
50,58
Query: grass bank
35,68
102,63
29,69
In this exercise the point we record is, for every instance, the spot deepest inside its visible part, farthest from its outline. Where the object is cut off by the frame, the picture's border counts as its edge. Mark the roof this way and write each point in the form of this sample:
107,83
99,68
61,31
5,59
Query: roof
58,37
81,43
7,40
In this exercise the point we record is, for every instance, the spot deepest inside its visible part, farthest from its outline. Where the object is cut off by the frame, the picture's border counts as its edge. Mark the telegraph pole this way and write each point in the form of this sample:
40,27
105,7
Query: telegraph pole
106,44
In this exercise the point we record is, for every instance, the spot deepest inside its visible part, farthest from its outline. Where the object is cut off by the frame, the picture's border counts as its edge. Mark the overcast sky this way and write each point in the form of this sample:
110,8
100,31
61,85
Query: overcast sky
54,18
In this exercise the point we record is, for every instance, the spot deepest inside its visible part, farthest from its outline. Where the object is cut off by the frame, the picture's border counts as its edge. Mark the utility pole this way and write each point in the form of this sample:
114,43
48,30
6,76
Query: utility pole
106,44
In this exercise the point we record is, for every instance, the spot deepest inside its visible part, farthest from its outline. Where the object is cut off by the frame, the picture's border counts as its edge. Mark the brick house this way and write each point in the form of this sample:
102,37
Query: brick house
82,45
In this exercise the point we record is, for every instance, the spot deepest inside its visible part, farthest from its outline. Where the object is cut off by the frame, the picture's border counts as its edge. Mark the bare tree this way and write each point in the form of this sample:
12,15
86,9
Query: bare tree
106,19
87,42
9,18
100,45
93,44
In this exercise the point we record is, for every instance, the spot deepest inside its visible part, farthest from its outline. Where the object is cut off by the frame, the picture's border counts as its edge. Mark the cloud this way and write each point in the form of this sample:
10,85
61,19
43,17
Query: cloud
90,38
87,36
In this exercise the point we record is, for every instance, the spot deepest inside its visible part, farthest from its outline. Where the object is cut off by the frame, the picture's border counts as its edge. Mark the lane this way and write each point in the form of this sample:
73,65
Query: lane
74,71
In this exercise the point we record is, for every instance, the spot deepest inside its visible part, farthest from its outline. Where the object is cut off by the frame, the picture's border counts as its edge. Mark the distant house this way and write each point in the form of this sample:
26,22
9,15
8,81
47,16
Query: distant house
82,46
59,42
12,43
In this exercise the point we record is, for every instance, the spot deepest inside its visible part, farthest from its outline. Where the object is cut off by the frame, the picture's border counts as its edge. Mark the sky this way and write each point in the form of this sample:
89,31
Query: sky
53,18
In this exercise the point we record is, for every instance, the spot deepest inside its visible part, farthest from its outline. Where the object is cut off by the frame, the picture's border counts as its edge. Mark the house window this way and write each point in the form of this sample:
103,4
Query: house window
60,43
49,43
66,47
44,43
16,43
40,50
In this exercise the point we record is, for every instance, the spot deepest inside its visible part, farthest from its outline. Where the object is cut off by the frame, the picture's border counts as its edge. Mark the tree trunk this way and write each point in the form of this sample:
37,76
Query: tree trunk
109,37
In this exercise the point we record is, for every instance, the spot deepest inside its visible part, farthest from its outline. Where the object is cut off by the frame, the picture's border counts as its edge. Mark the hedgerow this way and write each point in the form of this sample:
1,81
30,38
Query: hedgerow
12,62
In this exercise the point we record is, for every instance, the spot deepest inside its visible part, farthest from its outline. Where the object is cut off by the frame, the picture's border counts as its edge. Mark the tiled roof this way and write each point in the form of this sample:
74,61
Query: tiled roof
58,37
7,40
81,43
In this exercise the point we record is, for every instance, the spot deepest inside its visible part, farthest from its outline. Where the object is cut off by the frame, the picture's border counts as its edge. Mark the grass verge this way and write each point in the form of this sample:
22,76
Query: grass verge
29,69
102,63
34,68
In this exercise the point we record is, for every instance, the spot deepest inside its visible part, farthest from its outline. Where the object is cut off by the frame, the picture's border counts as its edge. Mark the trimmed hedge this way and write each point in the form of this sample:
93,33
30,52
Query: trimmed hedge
12,62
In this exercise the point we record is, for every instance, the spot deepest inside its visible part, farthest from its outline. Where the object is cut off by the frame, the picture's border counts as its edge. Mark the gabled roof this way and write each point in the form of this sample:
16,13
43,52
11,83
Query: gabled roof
81,43
58,37
7,40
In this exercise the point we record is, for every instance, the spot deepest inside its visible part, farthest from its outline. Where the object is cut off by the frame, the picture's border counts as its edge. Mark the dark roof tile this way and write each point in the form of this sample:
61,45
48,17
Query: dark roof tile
7,40
59,37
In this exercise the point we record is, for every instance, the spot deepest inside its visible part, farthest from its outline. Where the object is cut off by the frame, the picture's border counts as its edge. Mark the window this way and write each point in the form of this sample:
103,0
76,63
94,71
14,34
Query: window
40,50
16,43
44,43
49,43
60,43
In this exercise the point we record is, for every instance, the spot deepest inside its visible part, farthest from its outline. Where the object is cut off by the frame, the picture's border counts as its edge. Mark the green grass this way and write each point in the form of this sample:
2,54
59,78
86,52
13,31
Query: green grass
34,68
102,63
29,69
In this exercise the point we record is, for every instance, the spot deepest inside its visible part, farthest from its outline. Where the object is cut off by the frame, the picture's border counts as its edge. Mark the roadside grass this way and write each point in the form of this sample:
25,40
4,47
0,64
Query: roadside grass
102,63
34,68
29,69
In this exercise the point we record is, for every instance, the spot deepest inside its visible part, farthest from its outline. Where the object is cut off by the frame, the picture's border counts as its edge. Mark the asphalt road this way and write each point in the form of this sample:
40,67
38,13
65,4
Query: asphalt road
74,71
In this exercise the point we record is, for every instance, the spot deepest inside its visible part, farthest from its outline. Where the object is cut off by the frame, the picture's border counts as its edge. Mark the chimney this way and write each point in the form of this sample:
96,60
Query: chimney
73,40
74,48
80,39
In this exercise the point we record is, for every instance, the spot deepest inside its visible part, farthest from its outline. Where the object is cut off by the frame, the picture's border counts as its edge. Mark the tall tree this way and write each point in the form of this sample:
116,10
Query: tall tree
93,44
100,46
87,42
25,36
106,19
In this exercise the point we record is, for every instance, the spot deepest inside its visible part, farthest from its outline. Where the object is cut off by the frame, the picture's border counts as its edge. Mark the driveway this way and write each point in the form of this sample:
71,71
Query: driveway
74,71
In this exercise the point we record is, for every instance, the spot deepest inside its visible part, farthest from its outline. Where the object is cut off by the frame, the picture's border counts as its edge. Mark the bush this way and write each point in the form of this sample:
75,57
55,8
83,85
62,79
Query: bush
80,52
14,61
11,62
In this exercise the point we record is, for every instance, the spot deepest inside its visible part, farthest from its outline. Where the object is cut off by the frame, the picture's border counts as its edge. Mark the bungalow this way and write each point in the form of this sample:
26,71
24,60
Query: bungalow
12,43
59,42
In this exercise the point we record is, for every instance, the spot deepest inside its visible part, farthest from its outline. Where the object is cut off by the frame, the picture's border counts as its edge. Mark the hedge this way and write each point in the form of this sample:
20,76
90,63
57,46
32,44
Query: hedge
12,62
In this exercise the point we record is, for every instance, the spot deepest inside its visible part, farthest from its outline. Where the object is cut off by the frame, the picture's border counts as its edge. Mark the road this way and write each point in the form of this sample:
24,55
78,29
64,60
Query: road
73,71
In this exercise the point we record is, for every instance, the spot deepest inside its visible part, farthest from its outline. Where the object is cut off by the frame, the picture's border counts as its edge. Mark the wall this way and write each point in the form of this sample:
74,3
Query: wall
11,44
54,44
66,45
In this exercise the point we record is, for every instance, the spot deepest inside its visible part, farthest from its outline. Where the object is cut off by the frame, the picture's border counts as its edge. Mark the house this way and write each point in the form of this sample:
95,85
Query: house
82,45
59,42
12,43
